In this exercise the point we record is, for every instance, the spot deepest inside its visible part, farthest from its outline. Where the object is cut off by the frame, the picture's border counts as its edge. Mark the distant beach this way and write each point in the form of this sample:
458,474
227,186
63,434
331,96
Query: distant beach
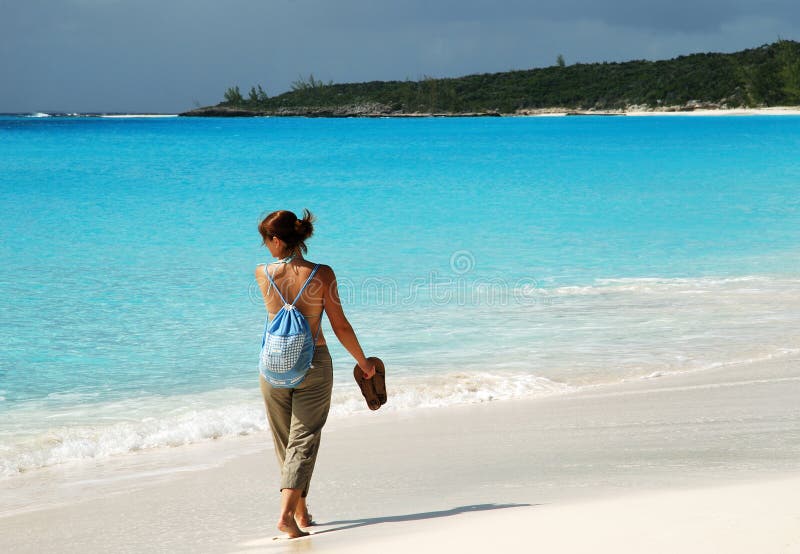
673,111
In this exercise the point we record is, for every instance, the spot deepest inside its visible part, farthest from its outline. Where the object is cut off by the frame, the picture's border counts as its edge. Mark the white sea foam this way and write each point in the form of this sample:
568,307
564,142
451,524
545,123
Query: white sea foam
177,421
657,285
776,355
39,114
97,436
440,390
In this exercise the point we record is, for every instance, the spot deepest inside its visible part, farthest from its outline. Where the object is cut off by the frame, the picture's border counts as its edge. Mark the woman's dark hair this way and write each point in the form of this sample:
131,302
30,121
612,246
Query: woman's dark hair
286,226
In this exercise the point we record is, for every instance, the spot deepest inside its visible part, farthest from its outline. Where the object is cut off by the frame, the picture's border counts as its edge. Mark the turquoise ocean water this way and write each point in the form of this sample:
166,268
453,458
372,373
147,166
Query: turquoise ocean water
482,259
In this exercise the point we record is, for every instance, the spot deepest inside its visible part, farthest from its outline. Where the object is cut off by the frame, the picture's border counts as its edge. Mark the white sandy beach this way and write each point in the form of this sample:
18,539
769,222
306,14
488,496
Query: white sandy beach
703,462
557,112
777,110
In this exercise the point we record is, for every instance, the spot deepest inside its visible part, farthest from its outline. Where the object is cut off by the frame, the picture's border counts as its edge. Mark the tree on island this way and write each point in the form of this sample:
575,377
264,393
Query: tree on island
257,95
233,96
309,84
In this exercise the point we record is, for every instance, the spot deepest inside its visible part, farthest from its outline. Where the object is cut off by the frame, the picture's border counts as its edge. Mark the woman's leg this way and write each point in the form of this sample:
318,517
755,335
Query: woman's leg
296,417
311,402
279,415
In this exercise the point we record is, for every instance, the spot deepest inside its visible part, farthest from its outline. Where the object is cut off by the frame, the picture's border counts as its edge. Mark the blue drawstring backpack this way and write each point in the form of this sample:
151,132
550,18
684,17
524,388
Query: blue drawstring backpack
288,345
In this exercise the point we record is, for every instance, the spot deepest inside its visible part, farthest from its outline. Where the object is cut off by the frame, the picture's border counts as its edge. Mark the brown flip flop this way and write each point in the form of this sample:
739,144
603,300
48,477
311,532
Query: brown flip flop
379,380
374,390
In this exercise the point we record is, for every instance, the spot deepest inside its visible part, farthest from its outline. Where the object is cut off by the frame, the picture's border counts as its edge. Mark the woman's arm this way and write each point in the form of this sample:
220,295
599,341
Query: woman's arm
262,281
341,327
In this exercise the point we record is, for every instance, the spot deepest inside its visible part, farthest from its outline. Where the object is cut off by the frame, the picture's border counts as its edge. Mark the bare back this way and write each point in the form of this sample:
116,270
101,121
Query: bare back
289,279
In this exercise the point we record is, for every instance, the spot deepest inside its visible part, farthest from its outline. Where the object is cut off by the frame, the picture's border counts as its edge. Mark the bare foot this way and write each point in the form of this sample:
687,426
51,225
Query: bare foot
303,519
301,515
288,525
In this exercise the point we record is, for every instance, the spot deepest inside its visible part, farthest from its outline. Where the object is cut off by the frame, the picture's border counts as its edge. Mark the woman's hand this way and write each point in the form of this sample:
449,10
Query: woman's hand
368,367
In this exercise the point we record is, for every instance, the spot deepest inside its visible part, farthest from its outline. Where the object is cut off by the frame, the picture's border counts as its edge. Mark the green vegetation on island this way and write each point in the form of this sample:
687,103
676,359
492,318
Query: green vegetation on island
765,76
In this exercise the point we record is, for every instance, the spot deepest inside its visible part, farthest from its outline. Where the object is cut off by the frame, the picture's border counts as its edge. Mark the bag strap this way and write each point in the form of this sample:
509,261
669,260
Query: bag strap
313,272
319,325
272,281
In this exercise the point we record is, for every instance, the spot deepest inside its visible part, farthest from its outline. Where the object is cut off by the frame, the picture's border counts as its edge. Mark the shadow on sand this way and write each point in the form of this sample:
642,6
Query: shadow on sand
303,544
353,523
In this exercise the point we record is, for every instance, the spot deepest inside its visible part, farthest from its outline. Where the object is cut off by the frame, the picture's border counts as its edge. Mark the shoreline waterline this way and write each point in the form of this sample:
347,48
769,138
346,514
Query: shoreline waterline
91,448
601,445
84,425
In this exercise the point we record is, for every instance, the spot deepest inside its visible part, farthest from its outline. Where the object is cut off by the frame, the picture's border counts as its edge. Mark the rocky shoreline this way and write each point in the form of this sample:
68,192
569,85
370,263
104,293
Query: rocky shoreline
357,110
380,110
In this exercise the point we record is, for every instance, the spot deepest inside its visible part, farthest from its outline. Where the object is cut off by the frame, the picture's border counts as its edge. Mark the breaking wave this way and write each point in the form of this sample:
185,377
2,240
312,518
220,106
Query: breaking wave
226,413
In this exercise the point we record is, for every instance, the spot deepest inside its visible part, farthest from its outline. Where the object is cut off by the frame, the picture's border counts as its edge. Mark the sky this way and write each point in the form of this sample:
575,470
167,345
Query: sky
168,56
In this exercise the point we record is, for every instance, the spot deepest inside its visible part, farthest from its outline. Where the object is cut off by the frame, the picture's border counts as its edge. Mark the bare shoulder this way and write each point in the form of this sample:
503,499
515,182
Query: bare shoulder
325,273
260,270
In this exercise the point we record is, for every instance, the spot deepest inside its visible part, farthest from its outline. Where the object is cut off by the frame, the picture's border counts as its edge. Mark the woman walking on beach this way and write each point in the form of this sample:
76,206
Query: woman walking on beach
296,415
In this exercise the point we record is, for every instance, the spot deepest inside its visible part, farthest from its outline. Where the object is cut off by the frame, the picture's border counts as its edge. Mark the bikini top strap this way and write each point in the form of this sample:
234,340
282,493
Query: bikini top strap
272,282
313,272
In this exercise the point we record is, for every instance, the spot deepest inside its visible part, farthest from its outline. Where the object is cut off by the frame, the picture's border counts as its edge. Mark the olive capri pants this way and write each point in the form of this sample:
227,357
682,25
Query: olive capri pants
296,417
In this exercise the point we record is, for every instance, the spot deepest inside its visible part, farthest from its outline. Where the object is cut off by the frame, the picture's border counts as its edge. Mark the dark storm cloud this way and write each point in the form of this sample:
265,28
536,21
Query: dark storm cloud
680,15
167,55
